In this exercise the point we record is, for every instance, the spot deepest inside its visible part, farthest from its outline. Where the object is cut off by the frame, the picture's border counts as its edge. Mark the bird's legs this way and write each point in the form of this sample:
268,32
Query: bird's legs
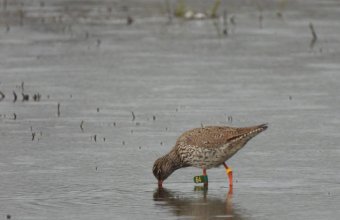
229,174
205,174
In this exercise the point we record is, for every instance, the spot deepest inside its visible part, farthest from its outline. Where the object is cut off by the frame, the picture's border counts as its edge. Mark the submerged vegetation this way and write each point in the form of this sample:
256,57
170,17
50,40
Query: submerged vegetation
183,11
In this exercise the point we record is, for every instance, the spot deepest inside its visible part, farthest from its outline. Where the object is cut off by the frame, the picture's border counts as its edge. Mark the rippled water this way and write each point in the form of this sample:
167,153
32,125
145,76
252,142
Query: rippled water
173,77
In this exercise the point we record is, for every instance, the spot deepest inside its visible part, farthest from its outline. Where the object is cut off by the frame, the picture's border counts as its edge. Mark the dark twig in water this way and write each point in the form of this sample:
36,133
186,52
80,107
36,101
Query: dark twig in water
25,97
133,116
232,20
22,87
2,96
230,119
15,96
225,23
233,23
129,20
315,37
36,97
313,31
58,113
33,136
81,126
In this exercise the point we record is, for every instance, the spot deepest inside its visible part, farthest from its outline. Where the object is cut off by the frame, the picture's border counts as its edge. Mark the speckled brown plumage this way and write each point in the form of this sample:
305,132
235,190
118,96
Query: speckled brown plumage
204,148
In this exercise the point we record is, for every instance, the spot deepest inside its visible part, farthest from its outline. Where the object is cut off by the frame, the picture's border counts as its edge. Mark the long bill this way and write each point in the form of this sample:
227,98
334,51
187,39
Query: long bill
160,183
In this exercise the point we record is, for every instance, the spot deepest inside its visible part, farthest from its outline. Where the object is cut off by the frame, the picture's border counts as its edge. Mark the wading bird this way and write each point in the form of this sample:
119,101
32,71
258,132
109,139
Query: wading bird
205,148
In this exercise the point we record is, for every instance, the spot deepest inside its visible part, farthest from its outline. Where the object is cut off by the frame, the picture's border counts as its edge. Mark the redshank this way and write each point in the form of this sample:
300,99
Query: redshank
205,148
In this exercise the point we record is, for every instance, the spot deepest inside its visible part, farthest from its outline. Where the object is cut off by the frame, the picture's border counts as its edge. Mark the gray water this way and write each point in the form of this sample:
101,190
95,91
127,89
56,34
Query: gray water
173,77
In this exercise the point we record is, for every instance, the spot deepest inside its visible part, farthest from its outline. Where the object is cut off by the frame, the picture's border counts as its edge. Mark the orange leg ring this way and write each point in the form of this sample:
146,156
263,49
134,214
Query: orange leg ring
229,174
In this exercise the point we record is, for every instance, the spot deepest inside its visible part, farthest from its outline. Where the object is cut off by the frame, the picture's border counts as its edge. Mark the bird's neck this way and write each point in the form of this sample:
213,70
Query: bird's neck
173,160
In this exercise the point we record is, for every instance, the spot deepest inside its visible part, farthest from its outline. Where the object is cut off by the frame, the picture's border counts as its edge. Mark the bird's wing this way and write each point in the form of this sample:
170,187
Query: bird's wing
212,136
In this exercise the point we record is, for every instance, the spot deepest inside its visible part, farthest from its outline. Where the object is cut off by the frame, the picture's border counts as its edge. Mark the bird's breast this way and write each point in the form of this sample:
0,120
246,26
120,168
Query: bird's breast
204,157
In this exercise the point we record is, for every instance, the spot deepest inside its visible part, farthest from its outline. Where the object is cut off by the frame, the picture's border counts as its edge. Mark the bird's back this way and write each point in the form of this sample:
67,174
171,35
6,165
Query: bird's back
212,136
212,145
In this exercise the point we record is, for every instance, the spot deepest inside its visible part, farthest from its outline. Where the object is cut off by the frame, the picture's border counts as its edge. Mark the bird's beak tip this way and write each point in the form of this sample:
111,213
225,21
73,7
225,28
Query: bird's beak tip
160,183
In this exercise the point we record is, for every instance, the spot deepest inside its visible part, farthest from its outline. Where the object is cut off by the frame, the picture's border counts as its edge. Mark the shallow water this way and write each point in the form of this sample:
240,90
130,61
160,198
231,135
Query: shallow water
100,70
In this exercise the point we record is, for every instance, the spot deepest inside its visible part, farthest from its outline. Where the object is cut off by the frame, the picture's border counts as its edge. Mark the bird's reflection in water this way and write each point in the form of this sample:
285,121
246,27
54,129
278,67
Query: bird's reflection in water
197,205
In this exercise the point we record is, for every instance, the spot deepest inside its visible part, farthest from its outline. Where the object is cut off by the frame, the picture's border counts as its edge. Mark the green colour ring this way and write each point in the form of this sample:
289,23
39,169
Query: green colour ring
200,179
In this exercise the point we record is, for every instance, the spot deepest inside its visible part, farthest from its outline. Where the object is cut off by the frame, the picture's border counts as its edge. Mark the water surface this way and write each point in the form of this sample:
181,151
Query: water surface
173,77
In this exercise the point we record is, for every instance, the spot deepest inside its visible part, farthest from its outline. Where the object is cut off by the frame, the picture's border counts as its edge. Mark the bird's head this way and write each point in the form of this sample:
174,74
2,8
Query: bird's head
163,168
